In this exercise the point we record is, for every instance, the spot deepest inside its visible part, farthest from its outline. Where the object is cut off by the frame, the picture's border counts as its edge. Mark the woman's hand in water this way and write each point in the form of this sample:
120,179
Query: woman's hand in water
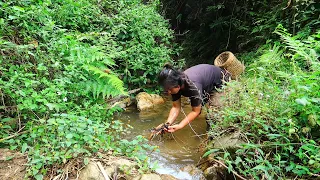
174,128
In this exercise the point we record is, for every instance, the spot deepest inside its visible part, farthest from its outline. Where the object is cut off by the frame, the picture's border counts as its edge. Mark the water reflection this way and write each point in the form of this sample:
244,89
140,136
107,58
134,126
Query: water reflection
176,150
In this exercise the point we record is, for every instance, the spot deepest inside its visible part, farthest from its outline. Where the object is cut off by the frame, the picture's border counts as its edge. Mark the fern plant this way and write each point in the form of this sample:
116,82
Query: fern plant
306,52
103,83
276,107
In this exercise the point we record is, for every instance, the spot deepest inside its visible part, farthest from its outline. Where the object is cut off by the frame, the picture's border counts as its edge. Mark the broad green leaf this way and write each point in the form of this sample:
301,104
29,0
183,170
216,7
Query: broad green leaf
38,177
24,147
260,167
210,152
68,143
86,161
69,136
302,101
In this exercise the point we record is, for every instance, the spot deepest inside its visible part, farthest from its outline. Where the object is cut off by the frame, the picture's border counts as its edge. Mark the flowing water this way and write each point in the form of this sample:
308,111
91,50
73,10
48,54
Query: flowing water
177,149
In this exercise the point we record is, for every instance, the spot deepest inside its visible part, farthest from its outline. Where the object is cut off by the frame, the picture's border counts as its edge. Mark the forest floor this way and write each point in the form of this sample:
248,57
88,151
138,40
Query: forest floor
12,164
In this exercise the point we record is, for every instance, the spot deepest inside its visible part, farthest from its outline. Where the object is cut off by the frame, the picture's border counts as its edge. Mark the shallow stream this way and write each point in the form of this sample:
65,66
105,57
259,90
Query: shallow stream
177,149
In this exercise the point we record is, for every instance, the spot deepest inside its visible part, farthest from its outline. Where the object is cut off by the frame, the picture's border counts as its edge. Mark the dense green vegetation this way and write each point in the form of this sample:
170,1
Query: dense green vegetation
59,60
276,107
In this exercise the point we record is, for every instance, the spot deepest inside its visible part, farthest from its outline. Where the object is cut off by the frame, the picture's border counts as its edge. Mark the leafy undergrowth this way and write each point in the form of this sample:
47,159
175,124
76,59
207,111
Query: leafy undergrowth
276,107
60,60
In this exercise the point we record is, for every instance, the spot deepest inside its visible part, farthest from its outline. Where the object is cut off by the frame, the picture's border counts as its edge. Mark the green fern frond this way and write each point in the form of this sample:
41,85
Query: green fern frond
104,83
99,56
112,79
98,89
304,51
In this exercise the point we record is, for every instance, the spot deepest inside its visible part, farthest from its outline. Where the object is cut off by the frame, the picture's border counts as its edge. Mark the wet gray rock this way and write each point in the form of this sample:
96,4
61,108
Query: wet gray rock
191,169
215,172
195,172
228,141
211,173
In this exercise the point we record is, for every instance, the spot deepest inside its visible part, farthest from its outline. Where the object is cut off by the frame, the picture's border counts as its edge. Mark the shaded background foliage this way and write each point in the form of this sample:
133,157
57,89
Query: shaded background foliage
208,27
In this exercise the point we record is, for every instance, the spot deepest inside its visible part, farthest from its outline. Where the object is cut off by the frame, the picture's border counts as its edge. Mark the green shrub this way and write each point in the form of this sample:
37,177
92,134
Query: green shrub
276,109
60,60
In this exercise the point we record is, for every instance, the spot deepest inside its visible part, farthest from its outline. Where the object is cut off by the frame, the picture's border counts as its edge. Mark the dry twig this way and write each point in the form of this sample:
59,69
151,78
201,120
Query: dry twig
14,135
236,174
105,175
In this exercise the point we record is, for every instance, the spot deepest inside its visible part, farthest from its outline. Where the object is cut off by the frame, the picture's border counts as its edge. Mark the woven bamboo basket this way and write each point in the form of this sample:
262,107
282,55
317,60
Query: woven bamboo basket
228,61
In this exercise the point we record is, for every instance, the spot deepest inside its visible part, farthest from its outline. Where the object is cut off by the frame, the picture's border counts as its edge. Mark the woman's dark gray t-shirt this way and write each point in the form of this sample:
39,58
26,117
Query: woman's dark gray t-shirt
200,80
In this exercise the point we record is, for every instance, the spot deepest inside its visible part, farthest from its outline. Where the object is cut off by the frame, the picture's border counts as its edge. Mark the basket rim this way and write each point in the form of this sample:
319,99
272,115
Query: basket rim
228,61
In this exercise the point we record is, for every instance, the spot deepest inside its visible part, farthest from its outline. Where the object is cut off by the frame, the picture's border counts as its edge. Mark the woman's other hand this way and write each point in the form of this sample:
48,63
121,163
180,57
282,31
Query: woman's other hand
174,128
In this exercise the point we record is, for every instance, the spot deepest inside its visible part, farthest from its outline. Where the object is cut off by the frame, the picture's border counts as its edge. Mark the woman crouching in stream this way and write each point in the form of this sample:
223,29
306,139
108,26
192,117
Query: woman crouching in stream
197,83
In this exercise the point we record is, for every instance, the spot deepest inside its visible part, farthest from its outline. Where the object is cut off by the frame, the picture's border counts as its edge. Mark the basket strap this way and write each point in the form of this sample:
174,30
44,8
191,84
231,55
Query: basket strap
226,75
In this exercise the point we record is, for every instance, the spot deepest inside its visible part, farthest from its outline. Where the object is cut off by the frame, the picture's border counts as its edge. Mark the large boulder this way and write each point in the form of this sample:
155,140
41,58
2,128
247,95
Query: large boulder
91,172
122,164
150,177
215,172
118,168
228,141
147,101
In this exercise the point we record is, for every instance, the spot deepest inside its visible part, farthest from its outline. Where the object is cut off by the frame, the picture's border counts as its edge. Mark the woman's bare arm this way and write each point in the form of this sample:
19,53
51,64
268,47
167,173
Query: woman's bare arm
174,112
188,119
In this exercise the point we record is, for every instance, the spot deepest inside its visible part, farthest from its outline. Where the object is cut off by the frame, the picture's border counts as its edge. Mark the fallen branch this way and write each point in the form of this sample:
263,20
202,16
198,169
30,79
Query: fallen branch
57,177
122,96
317,175
200,163
236,174
105,175
14,135
115,174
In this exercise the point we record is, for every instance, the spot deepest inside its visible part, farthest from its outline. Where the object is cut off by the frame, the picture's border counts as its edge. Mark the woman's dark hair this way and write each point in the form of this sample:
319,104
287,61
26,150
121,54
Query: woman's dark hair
170,77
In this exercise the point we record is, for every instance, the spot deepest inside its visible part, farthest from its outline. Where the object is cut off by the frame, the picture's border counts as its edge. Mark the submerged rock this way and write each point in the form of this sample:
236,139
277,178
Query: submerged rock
194,171
167,177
